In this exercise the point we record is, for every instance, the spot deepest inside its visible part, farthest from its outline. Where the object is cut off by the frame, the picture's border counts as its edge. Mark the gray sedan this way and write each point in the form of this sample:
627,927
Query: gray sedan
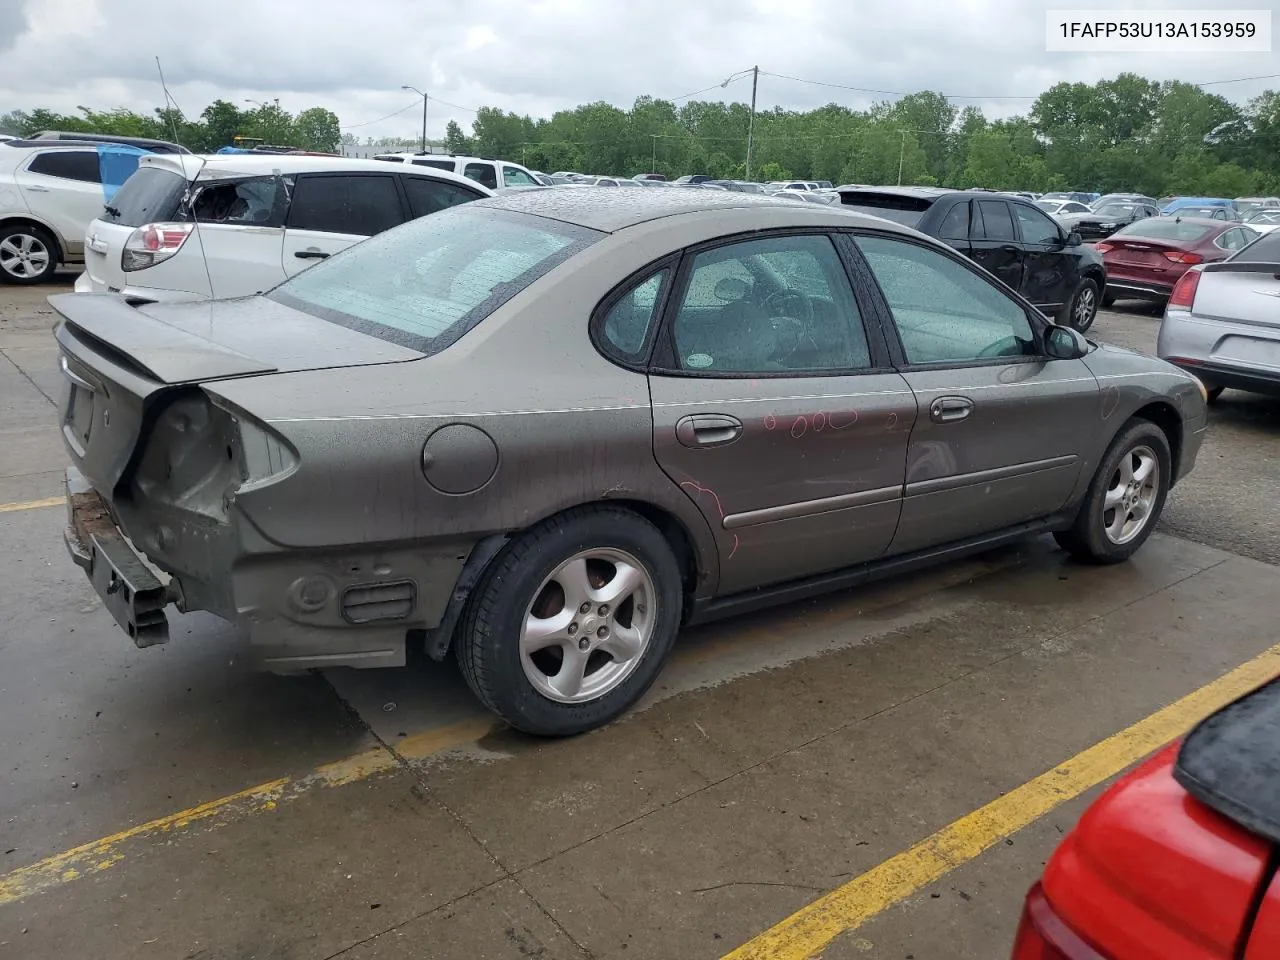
1222,321
544,430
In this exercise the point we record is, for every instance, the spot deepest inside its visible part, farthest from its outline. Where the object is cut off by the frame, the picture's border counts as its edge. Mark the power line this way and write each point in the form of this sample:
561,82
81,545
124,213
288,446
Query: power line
365,123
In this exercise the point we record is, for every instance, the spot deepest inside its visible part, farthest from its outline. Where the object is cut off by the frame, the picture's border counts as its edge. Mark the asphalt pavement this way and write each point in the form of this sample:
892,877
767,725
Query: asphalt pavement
171,803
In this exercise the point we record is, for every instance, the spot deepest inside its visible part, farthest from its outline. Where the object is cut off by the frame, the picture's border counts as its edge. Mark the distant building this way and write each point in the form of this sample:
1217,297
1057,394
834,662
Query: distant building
363,151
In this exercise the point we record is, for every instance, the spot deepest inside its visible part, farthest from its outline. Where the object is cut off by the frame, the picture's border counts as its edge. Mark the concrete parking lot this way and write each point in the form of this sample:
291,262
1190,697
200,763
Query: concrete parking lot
169,803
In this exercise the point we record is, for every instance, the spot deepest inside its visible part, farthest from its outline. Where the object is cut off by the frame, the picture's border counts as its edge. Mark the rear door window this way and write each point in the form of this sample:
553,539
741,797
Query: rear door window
997,223
427,195
335,203
955,225
483,173
82,165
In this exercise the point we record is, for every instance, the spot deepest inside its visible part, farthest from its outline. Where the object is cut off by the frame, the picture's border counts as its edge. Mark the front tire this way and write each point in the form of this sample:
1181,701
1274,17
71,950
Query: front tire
1081,310
28,254
573,621
1125,498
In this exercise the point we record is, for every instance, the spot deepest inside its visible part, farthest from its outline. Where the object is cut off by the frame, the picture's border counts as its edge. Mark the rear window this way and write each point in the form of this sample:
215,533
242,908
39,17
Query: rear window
1165,228
908,211
149,195
1266,249
437,164
424,284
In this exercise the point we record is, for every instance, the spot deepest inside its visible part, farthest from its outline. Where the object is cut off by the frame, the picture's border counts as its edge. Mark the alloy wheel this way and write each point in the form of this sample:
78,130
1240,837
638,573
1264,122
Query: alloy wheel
589,625
1086,306
24,256
1131,495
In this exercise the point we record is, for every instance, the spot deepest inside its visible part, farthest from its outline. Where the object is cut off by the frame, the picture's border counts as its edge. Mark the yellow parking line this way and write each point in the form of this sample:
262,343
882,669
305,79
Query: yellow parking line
98,855
812,928
32,504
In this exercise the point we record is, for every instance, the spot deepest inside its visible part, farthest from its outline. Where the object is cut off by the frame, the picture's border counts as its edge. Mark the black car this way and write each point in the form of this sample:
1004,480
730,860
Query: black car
1011,238
1108,217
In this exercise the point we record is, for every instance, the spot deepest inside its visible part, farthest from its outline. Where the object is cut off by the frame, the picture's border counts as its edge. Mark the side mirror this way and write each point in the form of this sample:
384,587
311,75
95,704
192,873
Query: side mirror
1065,343
1074,239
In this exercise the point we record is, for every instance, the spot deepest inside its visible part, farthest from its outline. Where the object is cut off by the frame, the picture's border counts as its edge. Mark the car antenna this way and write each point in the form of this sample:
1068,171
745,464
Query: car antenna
188,200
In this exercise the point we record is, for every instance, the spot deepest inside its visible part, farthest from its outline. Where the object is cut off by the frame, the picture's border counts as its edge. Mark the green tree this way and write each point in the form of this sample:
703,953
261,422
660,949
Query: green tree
317,129
455,141
774,171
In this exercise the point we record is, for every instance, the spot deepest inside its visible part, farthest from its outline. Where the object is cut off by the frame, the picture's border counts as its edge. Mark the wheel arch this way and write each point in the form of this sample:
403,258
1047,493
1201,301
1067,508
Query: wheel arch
677,535
29,220
1165,416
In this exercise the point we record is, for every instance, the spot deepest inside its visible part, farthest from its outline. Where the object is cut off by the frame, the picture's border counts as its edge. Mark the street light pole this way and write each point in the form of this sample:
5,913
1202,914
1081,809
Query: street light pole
424,113
653,153
902,152
751,123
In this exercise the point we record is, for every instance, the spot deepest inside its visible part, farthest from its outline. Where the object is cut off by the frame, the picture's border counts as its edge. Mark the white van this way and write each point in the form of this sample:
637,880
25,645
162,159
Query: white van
233,225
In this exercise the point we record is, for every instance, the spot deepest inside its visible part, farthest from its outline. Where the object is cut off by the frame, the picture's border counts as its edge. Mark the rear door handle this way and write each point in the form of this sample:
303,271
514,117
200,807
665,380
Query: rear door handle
708,430
950,409
310,254
1010,248
36,188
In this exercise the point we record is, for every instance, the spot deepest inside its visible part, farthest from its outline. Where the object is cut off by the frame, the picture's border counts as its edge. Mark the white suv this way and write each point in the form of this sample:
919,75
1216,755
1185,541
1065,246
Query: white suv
233,225
48,194
483,170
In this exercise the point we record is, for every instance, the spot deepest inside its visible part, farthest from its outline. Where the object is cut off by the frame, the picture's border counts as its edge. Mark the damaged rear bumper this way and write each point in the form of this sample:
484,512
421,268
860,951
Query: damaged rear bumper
129,589
354,606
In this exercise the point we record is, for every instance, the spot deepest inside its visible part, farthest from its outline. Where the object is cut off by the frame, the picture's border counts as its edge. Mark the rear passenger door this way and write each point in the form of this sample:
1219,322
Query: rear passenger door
64,188
775,409
428,195
994,243
328,212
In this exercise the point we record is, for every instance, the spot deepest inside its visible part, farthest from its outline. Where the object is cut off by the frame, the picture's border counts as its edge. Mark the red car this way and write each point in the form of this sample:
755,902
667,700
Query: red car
1145,259
1177,861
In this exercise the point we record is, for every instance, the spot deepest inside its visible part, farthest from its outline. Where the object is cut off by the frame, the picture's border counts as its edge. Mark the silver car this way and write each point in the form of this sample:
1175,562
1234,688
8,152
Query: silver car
1222,321
543,431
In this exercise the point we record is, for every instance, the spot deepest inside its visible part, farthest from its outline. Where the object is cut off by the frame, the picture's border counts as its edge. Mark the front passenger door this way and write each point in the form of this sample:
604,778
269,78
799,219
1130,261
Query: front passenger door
993,242
1002,430
328,212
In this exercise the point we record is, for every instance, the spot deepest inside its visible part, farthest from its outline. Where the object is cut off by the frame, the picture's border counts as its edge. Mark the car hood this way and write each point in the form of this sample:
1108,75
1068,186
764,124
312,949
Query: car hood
192,342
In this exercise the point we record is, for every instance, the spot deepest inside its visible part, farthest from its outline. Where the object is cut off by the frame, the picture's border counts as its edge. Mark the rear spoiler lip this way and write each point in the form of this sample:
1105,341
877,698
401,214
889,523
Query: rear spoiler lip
107,322
1242,266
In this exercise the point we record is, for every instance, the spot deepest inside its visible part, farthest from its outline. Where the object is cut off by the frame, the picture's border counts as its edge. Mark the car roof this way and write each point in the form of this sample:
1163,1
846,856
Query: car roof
257,165
611,210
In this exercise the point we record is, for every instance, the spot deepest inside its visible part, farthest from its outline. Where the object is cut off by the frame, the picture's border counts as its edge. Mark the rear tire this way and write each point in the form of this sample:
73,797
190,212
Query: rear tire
1081,310
1125,498
28,254
572,622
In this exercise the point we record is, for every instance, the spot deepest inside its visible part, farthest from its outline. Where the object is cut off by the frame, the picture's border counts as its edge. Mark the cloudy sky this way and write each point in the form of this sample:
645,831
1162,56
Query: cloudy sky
537,56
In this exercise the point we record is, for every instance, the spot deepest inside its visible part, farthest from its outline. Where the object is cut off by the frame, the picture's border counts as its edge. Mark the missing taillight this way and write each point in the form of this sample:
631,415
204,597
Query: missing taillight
153,243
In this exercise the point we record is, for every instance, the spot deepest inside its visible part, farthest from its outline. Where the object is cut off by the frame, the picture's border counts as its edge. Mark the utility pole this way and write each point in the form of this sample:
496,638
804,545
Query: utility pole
424,112
751,123
653,153
902,152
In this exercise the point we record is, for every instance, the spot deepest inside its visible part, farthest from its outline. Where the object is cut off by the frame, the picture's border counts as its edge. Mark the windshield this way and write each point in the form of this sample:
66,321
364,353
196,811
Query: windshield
1265,216
427,282
1049,205
1115,209
149,195
1265,249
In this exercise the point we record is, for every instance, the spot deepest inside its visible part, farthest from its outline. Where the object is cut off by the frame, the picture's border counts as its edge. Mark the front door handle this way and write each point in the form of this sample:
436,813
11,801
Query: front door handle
36,188
950,409
1010,248
310,254
708,430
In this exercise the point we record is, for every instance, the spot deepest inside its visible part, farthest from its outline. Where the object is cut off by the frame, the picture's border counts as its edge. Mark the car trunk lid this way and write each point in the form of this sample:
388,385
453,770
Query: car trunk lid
119,360
1240,292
